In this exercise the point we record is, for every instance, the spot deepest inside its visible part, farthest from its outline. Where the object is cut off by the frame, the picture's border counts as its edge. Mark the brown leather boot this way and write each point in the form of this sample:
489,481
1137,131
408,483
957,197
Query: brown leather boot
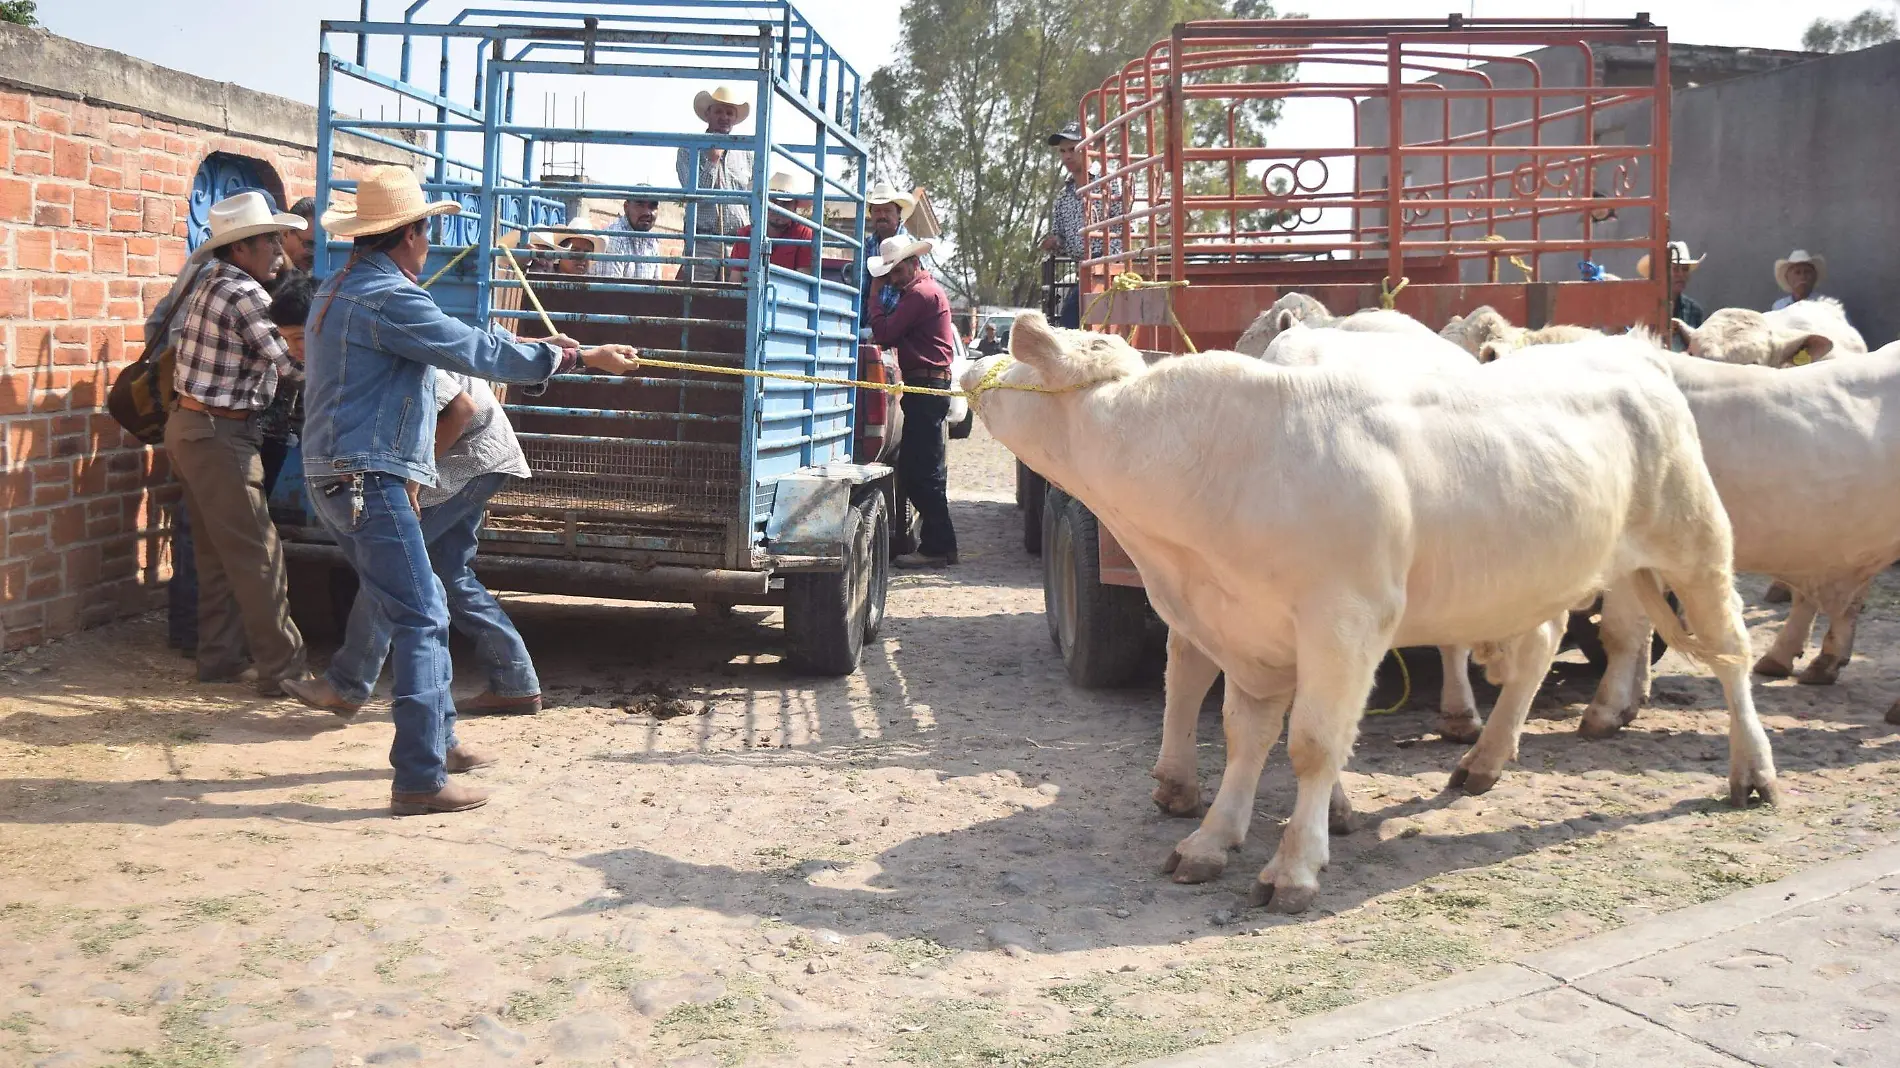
320,695
489,703
453,797
466,757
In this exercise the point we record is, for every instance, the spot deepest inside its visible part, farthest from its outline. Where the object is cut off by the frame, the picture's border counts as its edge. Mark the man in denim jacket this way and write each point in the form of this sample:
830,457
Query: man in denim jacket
369,441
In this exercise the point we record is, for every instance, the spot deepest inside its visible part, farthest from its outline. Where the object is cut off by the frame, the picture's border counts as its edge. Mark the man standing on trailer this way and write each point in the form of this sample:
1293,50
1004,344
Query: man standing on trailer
631,234
715,169
369,438
791,239
1069,212
919,326
886,208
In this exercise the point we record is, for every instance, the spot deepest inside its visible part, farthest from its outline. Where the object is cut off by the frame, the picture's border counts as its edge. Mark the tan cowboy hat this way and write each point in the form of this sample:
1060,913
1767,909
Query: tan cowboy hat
1800,255
562,234
784,187
719,94
1678,253
387,198
896,250
886,193
246,215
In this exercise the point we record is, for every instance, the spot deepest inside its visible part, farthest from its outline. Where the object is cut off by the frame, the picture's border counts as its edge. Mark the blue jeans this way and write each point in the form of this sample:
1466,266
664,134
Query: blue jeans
370,517
449,529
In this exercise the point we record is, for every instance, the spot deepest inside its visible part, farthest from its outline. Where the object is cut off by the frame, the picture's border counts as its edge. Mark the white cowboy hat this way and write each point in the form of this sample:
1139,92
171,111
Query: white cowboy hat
562,234
1678,253
783,187
1800,255
895,250
886,193
387,198
246,215
719,95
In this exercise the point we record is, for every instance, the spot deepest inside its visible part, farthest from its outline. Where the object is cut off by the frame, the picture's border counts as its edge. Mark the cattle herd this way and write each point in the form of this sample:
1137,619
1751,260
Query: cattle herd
1338,487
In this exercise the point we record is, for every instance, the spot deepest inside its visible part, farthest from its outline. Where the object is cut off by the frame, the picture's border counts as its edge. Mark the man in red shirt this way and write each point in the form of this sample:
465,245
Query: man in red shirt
919,327
791,239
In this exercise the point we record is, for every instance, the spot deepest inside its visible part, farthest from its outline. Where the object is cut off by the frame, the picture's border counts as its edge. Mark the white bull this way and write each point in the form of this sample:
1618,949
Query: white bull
1818,328
1807,461
1302,309
1486,334
1294,523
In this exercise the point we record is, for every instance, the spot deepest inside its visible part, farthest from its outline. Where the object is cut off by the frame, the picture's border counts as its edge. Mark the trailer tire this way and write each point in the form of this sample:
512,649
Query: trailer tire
960,429
1583,633
1031,493
830,615
1100,631
320,597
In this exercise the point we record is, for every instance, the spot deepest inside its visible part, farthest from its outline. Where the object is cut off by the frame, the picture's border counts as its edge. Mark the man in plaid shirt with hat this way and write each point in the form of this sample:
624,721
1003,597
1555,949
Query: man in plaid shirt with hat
229,360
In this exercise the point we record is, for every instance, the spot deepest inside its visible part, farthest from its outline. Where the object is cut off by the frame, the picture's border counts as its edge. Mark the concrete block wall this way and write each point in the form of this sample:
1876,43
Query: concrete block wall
98,152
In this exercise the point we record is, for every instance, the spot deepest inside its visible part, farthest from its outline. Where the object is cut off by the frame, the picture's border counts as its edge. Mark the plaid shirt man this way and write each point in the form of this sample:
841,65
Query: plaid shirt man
229,353
1069,213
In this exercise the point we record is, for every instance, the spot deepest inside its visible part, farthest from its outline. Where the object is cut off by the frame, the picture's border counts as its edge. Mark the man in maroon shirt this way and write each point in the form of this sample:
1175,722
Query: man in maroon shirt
791,239
919,327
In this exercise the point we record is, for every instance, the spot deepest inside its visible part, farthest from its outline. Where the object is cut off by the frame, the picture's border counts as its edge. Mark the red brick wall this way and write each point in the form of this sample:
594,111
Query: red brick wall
93,213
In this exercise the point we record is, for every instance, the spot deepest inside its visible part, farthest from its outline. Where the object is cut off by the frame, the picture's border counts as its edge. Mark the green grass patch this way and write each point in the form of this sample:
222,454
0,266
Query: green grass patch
551,1000
97,941
232,908
916,952
185,1042
732,1029
19,1023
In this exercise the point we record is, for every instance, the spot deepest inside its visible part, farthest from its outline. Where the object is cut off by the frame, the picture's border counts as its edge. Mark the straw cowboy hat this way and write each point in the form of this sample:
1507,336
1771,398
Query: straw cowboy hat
1799,256
886,193
894,251
1678,253
246,215
563,234
719,94
387,198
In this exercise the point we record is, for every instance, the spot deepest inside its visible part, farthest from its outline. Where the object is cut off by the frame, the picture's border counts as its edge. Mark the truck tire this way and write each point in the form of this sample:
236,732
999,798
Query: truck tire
830,615
1101,632
1030,495
962,427
1584,635
320,597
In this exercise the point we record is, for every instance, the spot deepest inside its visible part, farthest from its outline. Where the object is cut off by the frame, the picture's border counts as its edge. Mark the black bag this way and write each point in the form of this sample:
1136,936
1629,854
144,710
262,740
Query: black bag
145,391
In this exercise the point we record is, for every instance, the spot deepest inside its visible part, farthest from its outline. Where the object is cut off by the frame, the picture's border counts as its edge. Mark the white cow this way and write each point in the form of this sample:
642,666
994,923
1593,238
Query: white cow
1487,334
1300,308
1807,460
1294,523
1817,327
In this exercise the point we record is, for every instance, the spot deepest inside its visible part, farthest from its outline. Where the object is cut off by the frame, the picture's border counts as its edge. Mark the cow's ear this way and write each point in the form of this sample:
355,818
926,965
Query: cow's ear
1033,341
1286,321
1678,328
1799,350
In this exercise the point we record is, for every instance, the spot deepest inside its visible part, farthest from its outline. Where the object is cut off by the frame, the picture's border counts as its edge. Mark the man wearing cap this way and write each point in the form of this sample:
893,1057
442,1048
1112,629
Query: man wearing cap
1682,306
631,234
1798,275
369,436
1069,212
790,239
229,360
921,329
715,169
886,208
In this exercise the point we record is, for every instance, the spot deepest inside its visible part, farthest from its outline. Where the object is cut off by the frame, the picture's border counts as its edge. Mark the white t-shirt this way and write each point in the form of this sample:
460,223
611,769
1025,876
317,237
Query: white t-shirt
487,445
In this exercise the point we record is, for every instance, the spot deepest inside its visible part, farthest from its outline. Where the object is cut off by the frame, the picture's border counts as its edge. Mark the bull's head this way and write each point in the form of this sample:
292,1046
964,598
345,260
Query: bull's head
1742,335
1025,398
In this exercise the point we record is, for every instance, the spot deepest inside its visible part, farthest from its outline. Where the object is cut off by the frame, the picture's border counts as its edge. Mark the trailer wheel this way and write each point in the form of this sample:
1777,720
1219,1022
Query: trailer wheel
1101,631
829,615
1030,495
960,429
1584,634
320,597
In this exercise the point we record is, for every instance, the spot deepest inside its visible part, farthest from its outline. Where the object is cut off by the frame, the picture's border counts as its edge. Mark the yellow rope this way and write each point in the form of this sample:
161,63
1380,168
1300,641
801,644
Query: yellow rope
453,260
1389,298
1405,673
1516,260
528,289
1128,282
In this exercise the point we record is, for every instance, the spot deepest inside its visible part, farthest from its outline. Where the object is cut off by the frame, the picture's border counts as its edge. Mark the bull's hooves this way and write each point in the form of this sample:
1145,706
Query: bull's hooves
1772,668
1341,823
1893,713
1740,794
1288,900
1179,807
1462,731
1821,671
1472,782
1195,869
1597,727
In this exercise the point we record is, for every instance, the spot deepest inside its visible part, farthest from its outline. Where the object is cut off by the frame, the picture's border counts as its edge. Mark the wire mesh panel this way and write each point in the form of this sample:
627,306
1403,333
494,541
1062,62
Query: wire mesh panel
644,479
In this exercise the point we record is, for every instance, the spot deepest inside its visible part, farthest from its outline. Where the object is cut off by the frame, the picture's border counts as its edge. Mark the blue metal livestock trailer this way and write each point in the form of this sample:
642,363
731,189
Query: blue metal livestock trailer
672,485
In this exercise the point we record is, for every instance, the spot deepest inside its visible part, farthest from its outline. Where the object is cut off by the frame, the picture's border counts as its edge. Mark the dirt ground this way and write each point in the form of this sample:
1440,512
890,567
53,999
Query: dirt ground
694,859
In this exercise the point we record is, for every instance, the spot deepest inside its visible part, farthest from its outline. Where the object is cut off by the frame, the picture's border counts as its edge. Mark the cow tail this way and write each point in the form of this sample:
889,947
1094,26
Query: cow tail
1649,589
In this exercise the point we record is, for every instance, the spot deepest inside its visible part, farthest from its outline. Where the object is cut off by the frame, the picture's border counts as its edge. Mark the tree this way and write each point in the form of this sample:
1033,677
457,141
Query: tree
1864,30
975,90
20,12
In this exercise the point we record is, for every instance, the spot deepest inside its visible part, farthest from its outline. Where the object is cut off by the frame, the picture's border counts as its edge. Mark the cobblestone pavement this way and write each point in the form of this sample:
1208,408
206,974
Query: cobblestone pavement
1801,973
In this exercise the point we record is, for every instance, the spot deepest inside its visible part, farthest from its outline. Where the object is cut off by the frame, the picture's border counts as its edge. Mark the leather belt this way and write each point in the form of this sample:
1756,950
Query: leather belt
193,404
929,382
